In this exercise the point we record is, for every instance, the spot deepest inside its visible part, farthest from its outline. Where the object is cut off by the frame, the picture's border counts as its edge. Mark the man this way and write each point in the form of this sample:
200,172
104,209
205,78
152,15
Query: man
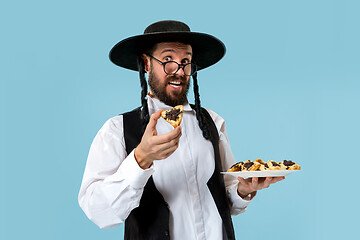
165,183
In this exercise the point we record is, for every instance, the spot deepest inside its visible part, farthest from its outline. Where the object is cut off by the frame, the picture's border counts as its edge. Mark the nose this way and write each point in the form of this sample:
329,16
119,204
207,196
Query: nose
181,70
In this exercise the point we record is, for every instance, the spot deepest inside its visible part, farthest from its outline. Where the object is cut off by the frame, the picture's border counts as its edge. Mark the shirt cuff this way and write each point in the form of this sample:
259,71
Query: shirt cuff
133,173
239,204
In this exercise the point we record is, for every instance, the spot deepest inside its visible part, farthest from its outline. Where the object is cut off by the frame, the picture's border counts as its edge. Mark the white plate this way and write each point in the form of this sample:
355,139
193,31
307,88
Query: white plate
269,173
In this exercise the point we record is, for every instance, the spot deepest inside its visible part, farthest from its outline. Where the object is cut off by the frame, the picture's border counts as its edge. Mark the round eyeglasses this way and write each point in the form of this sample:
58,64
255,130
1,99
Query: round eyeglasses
172,67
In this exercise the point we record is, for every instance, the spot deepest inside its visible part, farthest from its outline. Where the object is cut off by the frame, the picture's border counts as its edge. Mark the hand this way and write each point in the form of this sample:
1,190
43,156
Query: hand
251,185
155,147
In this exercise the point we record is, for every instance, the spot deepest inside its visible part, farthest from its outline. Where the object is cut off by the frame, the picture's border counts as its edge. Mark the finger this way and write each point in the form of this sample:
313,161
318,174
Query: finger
242,180
165,150
153,121
245,181
167,145
167,137
254,183
261,180
169,151
267,182
277,179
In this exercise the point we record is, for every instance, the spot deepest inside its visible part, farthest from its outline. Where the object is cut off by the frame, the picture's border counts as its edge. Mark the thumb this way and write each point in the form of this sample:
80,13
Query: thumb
151,127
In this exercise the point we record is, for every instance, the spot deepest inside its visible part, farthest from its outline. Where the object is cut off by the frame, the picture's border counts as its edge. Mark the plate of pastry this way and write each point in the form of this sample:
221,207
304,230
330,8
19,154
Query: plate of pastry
260,168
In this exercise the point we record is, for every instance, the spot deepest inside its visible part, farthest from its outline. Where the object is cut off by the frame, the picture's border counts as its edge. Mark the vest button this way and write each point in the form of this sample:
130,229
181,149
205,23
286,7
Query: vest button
166,233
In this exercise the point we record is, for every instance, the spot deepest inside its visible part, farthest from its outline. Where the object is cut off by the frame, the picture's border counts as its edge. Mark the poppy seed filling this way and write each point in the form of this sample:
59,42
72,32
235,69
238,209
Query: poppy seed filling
173,115
275,164
288,163
248,165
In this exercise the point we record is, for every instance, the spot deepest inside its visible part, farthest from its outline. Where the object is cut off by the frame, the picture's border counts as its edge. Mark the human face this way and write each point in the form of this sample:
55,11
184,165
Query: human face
170,89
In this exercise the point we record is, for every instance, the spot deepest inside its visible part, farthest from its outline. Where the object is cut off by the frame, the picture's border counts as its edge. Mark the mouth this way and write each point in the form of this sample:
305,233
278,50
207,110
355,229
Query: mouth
175,84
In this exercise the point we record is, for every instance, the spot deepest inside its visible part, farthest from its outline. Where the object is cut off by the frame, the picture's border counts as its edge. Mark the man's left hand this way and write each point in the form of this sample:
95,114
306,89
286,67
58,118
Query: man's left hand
251,185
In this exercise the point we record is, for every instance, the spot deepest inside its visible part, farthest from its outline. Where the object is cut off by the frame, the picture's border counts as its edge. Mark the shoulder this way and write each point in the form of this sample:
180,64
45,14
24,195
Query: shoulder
218,120
113,127
214,115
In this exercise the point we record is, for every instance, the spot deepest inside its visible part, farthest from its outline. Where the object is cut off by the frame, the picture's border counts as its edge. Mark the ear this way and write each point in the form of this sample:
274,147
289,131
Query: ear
146,60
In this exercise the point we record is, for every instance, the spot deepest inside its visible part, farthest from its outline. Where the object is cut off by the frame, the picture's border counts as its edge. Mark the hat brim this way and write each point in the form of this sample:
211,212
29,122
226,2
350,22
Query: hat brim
207,49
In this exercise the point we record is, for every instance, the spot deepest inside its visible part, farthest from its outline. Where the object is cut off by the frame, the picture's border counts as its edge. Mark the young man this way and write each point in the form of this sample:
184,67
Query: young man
165,183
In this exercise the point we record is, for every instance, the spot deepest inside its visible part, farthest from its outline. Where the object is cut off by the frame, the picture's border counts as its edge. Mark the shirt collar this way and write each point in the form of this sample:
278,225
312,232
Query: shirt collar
155,104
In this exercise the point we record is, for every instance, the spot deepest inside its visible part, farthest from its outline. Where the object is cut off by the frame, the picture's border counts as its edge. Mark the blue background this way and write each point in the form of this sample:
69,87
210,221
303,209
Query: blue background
288,88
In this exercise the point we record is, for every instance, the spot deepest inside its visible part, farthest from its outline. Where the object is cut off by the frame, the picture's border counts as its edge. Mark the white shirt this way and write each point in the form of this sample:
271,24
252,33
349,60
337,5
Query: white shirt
113,182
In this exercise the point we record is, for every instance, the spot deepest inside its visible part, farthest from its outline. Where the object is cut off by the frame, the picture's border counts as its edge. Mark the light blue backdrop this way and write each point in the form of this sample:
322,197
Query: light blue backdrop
288,88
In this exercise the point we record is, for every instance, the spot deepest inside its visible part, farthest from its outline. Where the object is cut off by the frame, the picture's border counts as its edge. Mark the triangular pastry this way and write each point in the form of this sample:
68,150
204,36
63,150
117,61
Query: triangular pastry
174,115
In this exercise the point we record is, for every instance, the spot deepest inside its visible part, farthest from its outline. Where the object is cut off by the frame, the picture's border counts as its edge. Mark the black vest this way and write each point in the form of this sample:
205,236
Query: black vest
150,221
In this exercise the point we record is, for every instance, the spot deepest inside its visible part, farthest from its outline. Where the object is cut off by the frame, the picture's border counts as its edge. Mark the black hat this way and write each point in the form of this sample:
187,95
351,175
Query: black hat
207,49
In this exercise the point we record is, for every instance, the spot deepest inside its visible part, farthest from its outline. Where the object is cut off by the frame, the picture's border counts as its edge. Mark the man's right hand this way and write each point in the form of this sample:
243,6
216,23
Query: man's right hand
156,147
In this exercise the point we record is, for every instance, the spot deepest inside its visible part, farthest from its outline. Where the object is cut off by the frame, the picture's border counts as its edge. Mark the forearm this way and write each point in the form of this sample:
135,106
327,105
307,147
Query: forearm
109,201
100,210
237,204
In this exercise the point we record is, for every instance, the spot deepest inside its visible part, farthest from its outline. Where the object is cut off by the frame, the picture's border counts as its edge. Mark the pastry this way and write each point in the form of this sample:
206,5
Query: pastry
263,165
290,165
260,165
237,167
251,166
273,165
174,115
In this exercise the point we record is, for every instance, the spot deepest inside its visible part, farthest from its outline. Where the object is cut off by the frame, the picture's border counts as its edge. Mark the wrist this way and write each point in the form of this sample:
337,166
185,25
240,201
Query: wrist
141,159
246,196
243,195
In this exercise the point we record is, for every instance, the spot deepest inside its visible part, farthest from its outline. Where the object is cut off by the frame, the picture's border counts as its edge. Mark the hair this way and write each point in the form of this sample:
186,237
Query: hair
199,115
144,106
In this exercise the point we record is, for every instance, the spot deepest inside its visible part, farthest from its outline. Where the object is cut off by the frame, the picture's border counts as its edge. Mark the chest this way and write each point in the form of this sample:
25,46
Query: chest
191,165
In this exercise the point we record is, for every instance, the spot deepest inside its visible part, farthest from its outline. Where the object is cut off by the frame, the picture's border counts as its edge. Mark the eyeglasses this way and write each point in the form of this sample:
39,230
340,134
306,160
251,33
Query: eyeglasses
172,67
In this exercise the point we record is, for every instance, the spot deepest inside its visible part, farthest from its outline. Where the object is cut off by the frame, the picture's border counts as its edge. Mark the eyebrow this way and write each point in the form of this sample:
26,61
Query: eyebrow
171,50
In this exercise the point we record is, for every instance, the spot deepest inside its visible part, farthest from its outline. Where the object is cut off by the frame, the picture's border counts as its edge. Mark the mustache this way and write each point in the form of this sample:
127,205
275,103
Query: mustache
176,78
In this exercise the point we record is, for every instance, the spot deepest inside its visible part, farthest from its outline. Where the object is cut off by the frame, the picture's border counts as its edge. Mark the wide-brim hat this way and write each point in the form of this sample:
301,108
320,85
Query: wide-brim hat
207,49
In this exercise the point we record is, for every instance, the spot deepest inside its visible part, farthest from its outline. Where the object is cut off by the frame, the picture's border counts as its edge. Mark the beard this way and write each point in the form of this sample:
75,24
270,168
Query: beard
159,90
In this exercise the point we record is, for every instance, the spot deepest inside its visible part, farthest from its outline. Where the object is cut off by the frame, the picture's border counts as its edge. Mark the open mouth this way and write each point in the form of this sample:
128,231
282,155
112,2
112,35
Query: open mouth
175,84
